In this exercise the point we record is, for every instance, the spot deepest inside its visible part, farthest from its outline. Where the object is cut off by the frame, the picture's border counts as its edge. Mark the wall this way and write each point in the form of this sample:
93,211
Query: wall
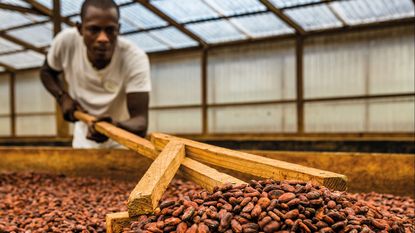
5,118
35,107
374,63
251,88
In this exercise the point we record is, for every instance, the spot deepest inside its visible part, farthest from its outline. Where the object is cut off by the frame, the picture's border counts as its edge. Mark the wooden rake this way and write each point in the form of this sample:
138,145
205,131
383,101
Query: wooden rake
188,158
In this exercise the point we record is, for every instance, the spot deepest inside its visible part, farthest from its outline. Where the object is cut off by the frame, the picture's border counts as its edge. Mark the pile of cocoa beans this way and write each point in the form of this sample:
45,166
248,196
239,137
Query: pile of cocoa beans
275,206
51,203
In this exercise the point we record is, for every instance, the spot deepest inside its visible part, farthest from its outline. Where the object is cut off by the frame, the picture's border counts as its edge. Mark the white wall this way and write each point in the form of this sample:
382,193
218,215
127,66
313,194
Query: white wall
176,80
379,62
253,73
33,98
5,121
369,63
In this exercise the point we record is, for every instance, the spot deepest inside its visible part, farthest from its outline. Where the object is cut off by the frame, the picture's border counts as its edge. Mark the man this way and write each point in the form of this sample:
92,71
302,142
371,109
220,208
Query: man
106,75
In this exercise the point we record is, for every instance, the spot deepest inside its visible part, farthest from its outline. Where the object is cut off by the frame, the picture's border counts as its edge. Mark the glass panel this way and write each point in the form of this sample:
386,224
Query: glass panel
11,19
36,125
185,10
37,35
23,60
39,99
366,11
261,72
376,115
233,7
5,126
140,17
47,3
4,94
77,18
289,3
262,25
146,42
176,121
314,17
174,37
216,31
171,76
335,116
7,46
392,115
72,6
253,119
17,3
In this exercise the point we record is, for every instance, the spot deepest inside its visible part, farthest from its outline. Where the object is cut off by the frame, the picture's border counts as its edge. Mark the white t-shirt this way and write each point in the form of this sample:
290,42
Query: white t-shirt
100,92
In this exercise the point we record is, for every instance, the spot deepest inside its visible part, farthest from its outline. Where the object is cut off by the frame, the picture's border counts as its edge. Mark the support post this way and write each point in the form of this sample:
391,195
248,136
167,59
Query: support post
13,103
62,127
204,92
299,51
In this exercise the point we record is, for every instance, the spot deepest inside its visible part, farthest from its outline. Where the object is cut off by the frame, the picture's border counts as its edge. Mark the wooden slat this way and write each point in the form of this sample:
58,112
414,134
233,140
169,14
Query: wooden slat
40,7
147,193
20,9
283,17
299,80
204,87
115,222
202,175
172,22
253,164
22,43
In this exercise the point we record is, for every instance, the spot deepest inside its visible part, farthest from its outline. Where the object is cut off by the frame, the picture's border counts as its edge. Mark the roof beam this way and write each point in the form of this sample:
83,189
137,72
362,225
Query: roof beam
337,15
22,43
20,9
309,4
7,67
159,13
48,12
13,52
283,17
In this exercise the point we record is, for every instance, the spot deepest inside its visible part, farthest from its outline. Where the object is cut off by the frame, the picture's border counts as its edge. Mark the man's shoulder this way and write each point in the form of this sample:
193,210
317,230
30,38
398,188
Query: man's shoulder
68,36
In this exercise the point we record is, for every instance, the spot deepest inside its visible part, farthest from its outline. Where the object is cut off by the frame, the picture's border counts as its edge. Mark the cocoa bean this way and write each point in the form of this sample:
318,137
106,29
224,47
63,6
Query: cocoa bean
286,197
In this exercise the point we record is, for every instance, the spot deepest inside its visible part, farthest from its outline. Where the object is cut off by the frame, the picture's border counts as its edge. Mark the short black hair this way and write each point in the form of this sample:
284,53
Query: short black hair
102,4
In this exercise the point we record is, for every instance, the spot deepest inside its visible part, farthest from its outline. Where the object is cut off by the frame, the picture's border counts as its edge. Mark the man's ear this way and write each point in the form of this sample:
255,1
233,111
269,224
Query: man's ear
79,27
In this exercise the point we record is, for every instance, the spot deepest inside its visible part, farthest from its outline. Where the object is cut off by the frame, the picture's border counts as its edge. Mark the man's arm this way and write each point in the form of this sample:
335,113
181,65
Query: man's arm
50,80
52,83
137,104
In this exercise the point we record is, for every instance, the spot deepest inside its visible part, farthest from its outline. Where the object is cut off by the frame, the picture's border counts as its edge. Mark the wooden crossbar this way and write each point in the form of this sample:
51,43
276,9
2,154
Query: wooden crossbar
252,164
146,195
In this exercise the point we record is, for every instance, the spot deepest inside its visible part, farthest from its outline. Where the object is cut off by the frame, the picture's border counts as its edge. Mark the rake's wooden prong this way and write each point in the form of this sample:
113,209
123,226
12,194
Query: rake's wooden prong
206,176
147,193
202,174
252,164
115,222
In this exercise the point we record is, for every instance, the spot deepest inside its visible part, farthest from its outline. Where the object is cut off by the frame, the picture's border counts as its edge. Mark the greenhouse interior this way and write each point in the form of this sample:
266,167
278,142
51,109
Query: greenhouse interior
196,116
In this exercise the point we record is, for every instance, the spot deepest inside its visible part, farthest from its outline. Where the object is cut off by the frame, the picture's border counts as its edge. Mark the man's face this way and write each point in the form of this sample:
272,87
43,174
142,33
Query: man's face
99,29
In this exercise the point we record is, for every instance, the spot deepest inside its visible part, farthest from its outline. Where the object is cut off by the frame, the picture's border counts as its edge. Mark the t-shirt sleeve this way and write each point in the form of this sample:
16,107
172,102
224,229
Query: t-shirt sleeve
56,51
138,72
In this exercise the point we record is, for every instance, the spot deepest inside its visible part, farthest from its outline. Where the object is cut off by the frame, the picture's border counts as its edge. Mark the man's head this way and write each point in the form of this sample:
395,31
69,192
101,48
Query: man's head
99,28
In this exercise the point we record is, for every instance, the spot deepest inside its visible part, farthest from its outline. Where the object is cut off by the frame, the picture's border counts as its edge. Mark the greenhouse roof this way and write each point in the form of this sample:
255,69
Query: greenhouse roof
26,27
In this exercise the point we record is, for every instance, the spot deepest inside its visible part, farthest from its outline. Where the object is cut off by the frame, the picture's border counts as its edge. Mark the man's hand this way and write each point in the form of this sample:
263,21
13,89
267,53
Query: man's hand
93,134
68,107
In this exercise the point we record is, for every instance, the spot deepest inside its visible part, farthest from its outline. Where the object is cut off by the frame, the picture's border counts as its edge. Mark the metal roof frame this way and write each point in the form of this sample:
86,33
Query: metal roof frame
40,9
20,9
